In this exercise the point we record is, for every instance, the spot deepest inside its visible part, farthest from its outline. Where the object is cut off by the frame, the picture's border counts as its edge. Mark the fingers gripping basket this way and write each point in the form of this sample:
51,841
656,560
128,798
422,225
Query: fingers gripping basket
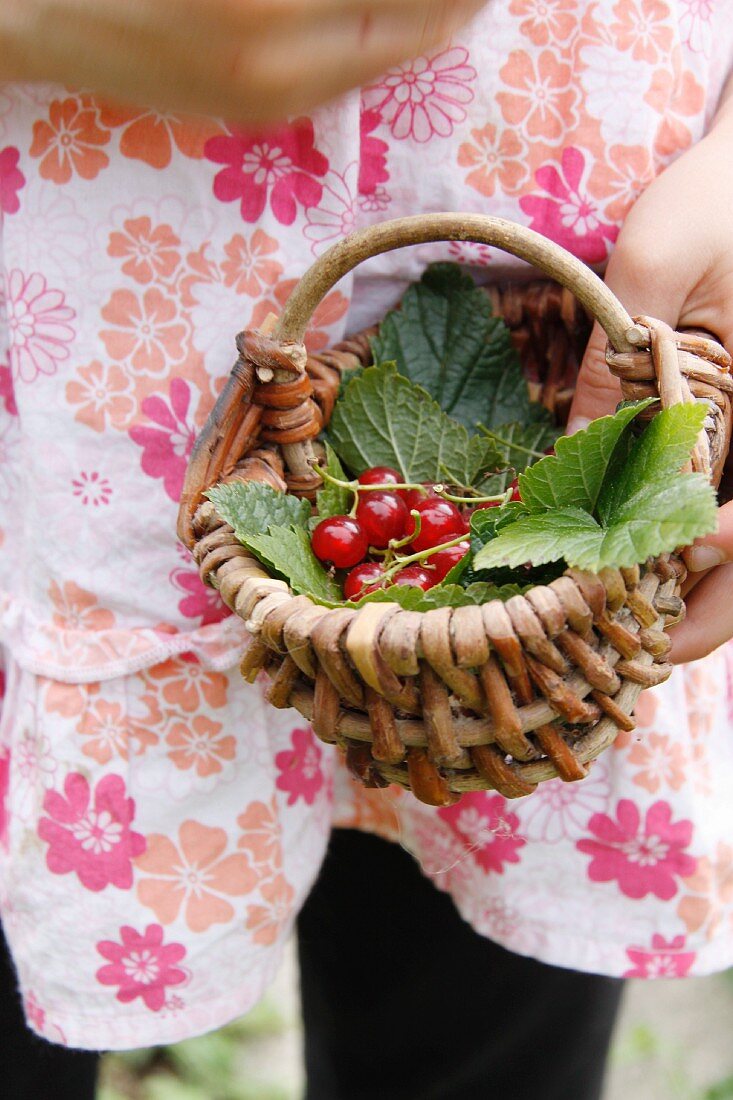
452,700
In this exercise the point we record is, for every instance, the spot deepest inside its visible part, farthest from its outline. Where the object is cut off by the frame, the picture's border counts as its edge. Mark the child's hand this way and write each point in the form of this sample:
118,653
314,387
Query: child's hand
674,261
251,61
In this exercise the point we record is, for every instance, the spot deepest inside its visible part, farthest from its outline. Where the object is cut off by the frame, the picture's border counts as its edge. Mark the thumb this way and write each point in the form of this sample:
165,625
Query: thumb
642,288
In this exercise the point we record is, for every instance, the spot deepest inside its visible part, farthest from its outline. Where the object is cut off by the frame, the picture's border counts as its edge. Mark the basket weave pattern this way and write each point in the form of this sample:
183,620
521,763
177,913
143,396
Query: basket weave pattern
501,696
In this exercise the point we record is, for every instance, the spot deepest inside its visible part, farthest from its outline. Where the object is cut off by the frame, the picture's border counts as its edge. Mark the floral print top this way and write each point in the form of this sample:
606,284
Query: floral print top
158,822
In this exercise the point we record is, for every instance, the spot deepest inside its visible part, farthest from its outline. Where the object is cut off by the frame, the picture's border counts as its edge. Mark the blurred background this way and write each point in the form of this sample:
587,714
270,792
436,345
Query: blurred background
673,1042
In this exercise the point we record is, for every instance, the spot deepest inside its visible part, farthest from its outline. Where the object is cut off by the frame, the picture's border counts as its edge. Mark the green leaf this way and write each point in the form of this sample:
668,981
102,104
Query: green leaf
512,442
251,507
657,519
443,595
445,338
659,453
383,419
573,476
286,551
332,500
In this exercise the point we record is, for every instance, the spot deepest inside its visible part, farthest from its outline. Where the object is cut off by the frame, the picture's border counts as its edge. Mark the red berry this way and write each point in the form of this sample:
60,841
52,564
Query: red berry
441,563
340,540
515,490
549,450
440,521
383,475
362,579
486,504
383,516
414,497
414,576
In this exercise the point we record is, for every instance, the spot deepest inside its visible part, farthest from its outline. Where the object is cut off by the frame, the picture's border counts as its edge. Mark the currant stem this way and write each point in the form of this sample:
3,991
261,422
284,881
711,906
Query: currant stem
423,555
508,443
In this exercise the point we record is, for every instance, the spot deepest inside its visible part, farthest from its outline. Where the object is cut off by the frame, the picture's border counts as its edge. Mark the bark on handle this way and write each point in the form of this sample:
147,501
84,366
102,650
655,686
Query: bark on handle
544,254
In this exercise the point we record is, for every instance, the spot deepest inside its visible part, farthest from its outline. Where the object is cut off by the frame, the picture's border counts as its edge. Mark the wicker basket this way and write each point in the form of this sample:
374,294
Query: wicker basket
501,696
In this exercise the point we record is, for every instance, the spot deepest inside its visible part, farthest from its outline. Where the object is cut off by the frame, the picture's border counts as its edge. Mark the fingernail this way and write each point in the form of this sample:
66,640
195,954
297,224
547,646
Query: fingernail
700,558
577,424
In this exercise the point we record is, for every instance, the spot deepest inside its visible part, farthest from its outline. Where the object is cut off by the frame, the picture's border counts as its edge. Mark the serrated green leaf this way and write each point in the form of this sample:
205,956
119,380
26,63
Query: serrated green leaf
445,338
251,507
286,551
574,475
513,442
443,595
384,419
332,500
657,519
659,453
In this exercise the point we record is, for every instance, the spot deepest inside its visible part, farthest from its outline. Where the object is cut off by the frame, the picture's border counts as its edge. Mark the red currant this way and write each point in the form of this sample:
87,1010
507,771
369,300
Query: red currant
340,540
414,497
383,475
414,576
383,516
362,579
441,563
515,490
440,521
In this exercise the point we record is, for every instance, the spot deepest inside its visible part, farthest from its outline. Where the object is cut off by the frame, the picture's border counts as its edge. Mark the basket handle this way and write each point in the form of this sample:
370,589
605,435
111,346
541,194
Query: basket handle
518,240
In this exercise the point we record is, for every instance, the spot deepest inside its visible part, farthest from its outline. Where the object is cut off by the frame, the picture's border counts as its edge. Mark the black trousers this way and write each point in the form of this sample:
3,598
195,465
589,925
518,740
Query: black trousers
31,1069
403,1001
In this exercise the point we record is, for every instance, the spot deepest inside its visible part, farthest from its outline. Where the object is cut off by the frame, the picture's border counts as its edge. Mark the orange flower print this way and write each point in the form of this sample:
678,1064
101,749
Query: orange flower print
150,136
543,99
108,733
201,745
266,921
69,141
66,699
545,21
193,875
701,693
711,894
260,827
247,267
77,609
188,685
675,96
660,763
493,160
621,179
643,27
644,712
146,330
101,390
149,252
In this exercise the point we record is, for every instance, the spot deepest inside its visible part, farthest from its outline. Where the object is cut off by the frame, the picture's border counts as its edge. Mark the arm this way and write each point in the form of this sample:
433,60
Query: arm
253,61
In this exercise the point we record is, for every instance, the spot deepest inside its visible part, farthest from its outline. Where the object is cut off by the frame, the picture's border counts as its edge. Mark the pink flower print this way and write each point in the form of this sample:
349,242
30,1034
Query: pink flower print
497,161
11,180
249,267
92,488
102,392
335,215
643,27
620,180
199,743
38,322
469,254
542,99
279,166
487,829
266,921
372,153
660,762
300,768
643,860
261,834
568,215
696,25
424,98
35,769
76,609
4,787
93,840
141,965
664,959
546,21
193,875
34,1013
146,331
188,685
7,392
199,602
166,448
149,252
559,811
377,200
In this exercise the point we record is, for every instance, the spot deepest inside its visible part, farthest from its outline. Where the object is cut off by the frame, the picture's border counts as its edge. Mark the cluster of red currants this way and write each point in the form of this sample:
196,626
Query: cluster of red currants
431,529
